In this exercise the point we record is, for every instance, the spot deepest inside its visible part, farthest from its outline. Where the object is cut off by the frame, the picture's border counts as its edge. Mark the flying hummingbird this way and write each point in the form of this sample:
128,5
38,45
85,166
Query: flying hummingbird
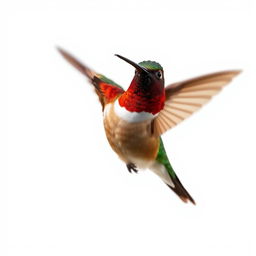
135,119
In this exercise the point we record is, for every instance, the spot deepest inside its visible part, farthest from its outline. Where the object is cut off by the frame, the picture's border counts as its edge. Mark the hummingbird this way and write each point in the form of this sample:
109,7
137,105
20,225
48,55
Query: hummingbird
134,119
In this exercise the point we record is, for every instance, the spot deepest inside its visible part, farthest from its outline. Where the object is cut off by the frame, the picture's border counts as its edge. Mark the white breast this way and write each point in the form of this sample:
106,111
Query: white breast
132,117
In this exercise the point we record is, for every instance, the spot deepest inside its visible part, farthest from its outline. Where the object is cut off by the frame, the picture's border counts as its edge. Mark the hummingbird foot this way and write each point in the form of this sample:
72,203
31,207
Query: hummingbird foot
131,167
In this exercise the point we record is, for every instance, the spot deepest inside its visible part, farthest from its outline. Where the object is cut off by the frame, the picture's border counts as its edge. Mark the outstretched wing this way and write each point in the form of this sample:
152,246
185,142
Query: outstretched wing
184,98
106,89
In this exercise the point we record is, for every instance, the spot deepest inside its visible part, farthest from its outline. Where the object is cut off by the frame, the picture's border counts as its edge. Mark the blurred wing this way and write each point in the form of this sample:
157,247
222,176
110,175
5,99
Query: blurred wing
106,89
184,98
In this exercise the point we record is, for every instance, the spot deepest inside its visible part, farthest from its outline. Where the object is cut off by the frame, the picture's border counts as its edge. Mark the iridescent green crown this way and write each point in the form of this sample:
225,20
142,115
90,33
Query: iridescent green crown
151,65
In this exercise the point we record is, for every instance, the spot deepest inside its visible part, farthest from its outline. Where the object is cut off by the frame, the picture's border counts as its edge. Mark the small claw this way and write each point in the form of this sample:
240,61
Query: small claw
131,167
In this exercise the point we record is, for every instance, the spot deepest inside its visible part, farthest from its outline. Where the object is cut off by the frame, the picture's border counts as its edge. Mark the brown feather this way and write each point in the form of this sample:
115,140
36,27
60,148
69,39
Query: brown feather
77,64
130,140
105,90
184,98
181,191
223,76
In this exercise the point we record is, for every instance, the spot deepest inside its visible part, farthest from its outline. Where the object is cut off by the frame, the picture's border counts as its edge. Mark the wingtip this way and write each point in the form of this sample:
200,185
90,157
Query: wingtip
231,72
237,71
118,55
58,48
61,50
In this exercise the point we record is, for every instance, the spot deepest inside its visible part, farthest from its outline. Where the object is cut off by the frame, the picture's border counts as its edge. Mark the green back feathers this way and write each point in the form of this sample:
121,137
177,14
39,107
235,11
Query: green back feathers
151,65
163,159
107,80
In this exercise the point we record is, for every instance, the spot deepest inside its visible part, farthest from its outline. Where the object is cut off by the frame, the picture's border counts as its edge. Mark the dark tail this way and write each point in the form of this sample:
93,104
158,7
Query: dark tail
181,191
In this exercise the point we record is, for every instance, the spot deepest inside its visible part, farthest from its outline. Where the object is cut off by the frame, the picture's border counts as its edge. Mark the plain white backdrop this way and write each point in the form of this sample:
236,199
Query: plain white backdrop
67,193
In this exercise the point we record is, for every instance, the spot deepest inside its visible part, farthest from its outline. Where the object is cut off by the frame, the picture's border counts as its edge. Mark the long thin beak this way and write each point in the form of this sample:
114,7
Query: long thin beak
138,67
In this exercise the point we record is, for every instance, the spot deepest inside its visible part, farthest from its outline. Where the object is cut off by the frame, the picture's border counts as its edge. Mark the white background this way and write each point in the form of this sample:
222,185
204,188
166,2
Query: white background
67,193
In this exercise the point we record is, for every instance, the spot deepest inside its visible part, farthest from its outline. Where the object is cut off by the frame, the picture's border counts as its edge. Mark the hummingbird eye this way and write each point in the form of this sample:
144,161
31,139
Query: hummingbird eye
137,73
159,74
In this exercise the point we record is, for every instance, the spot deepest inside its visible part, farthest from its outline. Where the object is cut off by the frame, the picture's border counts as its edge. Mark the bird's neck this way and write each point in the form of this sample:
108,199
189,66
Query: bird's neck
139,99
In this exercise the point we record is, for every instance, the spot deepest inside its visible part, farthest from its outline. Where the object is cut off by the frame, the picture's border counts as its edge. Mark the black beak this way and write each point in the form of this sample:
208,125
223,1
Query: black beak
138,67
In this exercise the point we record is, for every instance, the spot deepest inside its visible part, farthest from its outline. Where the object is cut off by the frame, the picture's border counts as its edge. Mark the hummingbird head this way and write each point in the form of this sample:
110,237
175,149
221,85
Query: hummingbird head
147,73
146,91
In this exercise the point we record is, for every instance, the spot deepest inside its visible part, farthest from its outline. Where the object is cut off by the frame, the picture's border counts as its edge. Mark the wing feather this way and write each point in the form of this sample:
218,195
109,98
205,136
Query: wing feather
186,97
106,89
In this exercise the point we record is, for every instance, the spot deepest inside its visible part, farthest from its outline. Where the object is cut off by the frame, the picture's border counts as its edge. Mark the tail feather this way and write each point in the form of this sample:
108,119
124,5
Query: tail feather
162,167
181,191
